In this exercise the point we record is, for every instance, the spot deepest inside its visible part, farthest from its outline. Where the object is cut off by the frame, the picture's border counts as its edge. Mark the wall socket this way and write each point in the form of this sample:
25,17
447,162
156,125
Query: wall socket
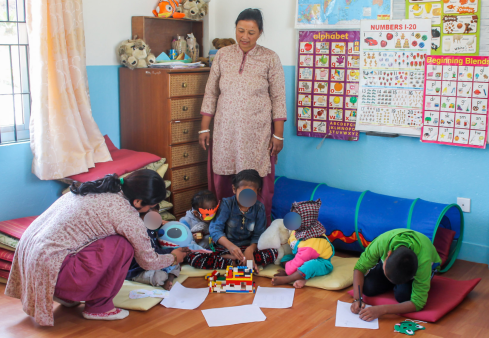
464,203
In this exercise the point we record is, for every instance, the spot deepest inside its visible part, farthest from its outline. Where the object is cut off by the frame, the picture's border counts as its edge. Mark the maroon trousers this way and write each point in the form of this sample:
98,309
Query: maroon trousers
95,274
221,185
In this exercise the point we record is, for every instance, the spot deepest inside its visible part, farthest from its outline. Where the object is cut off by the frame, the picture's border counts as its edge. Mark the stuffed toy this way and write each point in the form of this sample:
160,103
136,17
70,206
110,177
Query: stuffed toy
219,43
135,54
194,9
168,9
276,236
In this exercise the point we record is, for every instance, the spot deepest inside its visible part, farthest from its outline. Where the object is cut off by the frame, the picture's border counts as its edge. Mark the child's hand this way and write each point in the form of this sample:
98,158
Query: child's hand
236,252
371,313
355,307
163,222
181,253
250,257
197,236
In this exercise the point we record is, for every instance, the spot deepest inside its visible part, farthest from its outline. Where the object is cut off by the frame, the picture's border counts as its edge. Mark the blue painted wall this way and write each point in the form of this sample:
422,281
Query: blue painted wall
401,166
22,194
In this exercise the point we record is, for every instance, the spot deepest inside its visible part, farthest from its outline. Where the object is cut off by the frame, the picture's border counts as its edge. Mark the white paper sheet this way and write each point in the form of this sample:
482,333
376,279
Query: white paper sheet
181,297
346,318
233,315
274,298
142,293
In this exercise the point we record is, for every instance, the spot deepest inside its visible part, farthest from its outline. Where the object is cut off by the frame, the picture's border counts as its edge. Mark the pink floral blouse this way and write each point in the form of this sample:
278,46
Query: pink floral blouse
69,225
245,93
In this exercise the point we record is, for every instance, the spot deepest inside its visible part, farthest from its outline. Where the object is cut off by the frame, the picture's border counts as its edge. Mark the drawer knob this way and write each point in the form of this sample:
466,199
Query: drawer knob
184,84
185,131
186,178
184,108
185,155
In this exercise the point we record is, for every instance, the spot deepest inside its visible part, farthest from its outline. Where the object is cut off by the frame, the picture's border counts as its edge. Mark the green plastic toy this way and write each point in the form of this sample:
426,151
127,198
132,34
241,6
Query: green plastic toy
408,327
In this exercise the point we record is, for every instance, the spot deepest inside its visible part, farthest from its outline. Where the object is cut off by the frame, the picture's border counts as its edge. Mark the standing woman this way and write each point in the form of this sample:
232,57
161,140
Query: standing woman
80,248
245,94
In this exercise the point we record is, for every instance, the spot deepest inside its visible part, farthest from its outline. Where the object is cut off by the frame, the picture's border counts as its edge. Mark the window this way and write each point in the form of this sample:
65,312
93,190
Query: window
15,98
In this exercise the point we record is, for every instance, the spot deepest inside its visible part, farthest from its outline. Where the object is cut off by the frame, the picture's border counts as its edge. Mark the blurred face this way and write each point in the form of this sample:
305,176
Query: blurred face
243,186
247,33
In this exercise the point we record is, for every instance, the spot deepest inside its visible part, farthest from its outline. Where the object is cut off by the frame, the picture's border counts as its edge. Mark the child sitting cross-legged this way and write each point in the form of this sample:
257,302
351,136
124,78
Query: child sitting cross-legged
400,259
235,230
312,251
204,208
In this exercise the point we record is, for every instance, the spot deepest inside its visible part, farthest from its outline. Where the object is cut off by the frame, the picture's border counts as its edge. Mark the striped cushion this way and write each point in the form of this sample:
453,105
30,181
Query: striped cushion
6,255
16,227
4,265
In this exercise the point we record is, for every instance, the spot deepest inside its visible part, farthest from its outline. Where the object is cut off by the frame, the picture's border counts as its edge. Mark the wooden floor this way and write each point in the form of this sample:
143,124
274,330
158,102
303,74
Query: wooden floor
313,315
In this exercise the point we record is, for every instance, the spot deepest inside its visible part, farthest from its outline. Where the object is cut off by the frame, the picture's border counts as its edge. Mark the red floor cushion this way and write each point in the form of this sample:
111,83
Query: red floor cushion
123,161
6,255
16,227
445,295
4,265
443,242
4,274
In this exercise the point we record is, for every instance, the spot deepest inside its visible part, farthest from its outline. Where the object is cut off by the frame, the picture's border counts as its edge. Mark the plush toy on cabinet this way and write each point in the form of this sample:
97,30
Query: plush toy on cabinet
135,53
168,9
194,9
219,43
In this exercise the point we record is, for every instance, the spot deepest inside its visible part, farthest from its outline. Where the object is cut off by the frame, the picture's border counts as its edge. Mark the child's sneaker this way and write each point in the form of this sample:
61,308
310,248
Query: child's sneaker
112,315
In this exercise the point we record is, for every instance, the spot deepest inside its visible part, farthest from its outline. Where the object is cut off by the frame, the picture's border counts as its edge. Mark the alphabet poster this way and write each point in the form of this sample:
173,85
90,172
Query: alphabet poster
327,84
456,100
392,57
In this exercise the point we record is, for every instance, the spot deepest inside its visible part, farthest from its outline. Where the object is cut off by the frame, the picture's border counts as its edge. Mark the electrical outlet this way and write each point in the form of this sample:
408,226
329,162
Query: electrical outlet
464,203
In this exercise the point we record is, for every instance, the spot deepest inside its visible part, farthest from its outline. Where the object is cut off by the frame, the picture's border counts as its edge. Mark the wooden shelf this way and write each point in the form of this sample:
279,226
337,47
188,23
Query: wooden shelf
158,33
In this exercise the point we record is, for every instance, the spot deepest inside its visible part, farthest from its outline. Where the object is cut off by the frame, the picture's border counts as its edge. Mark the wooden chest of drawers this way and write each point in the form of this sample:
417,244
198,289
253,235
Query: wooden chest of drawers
160,114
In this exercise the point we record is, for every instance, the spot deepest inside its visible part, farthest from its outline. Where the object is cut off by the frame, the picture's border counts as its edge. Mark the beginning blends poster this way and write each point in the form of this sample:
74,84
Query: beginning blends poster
392,57
327,84
456,100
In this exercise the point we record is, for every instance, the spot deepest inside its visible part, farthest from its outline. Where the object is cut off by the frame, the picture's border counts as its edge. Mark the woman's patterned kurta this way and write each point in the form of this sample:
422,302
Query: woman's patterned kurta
245,93
69,225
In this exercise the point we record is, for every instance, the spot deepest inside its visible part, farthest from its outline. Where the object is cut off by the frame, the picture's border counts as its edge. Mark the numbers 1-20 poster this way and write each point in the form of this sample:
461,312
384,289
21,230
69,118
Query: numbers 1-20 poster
327,84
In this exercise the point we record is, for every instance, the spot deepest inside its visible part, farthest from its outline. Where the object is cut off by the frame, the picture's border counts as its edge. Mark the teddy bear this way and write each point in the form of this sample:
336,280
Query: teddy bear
219,43
194,9
276,236
135,53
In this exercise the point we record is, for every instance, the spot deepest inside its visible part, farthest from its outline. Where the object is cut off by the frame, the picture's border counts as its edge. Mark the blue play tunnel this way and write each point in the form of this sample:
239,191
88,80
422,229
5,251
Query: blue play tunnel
354,219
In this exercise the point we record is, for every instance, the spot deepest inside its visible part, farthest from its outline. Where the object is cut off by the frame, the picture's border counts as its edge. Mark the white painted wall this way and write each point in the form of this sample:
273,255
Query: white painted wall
278,24
108,22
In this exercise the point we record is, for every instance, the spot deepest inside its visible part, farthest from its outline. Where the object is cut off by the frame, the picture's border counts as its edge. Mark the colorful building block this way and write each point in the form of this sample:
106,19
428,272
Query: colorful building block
238,279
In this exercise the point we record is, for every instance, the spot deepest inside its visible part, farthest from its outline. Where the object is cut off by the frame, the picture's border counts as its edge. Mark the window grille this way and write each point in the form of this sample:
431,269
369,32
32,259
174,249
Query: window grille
15,97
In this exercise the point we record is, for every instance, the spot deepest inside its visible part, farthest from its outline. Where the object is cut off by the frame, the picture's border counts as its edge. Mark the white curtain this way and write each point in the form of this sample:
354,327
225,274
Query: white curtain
65,140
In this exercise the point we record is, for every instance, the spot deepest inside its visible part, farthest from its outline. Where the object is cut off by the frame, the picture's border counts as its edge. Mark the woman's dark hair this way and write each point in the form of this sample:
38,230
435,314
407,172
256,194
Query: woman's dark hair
201,197
253,14
144,184
249,176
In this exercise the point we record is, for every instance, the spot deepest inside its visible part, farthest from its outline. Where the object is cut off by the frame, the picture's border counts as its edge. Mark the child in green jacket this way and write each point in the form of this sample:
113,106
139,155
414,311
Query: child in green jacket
400,259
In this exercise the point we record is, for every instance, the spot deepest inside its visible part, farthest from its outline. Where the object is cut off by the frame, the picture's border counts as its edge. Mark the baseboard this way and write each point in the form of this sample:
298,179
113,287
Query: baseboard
474,253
